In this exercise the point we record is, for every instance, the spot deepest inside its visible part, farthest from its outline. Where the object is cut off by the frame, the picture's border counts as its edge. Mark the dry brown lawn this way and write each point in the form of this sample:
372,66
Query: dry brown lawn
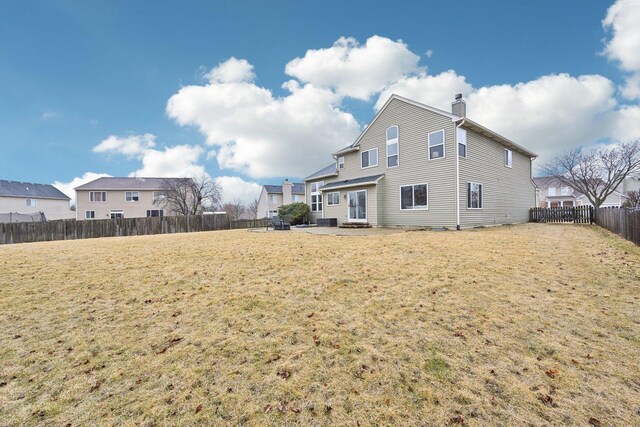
512,326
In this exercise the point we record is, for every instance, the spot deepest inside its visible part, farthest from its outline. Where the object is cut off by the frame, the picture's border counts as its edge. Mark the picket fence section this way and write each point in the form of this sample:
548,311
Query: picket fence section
573,214
71,229
622,221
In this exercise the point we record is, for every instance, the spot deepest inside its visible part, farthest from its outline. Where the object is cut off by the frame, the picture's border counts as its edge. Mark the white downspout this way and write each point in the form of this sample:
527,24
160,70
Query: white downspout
457,154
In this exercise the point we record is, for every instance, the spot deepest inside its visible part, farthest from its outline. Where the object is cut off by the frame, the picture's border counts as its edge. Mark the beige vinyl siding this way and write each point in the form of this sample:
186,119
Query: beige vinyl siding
414,124
341,211
116,201
508,193
53,208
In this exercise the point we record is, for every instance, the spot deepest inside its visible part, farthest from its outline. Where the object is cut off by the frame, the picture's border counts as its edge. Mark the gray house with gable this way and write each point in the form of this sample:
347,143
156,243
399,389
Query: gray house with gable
418,166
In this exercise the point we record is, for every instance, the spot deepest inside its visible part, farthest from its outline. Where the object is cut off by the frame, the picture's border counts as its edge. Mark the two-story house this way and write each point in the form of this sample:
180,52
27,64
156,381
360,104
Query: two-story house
419,166
274,196
29,198
552,193
110,197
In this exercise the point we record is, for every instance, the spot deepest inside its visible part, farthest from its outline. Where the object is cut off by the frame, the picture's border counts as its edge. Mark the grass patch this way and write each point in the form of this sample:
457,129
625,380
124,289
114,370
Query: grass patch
521,325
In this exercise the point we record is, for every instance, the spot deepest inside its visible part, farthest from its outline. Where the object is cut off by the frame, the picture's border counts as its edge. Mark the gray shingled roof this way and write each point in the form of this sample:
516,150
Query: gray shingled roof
128,183
366,180
328,170
30,190
298,188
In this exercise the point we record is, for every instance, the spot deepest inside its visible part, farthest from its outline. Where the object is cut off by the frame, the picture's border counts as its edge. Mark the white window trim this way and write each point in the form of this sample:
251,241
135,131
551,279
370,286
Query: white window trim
329,198
30,203
466,147
481,195
508,159
413,195
92,199
271,197
396,141
131,201
377,158
444,152
366,211
340,162
160,211
318,184
116,211
89,217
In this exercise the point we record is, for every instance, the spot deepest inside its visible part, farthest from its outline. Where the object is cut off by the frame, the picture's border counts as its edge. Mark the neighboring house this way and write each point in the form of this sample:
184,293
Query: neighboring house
419,166
110,197
552,193
29,198
631,183
274,196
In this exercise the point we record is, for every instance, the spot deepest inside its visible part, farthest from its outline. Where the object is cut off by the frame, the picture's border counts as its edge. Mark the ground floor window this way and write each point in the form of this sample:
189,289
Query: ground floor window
333,198
316,203
414,196
474,195
116,214
155,212
89,214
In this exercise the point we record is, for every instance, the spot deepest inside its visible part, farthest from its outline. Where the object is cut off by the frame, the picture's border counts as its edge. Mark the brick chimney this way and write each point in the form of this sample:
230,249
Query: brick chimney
458,106
287,188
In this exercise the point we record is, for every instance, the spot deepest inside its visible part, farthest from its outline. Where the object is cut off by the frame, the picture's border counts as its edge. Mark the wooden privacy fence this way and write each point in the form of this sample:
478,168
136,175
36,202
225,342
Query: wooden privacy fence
622,221
574,214
250,223
71,229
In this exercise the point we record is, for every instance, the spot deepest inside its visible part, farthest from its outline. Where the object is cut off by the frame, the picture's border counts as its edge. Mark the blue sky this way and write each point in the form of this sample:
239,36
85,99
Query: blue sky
74,73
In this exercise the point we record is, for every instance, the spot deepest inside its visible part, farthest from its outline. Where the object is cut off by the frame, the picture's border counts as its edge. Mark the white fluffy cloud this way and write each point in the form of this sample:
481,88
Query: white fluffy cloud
258,134
437,91
68,187
130,146
176,161
623,21
231,71
234,187
353,70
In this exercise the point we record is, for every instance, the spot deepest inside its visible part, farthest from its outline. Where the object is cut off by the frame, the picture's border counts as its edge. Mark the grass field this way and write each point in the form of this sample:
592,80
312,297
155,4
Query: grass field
513,326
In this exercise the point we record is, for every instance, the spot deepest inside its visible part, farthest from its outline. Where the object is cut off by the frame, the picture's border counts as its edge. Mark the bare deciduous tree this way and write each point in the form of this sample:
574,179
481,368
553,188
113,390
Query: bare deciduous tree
596,172
252,209
190,196
235,209
633,199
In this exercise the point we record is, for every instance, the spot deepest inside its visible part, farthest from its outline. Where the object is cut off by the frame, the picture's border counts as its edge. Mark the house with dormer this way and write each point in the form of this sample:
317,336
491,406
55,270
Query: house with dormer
419,166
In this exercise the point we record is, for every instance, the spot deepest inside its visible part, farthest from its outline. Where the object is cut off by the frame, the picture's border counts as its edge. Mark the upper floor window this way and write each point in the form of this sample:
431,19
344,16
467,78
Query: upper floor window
273,198
392,146
436,144
462,142
98,196
474,195
565,191
295,197
414,196
340,162
131,196
316,196
551,191
369,158
508,158
31,203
